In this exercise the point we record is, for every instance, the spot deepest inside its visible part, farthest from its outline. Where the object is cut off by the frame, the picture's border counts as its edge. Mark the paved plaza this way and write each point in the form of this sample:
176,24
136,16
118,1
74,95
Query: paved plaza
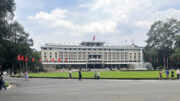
91,90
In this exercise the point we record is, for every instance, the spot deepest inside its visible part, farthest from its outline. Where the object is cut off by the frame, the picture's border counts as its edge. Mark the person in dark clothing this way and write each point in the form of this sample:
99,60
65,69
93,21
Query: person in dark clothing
15,73
80,75
70,74
172,74
2,83
167,74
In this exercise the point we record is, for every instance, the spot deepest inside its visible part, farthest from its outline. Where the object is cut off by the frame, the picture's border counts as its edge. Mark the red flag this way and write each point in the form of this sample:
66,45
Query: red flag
157,60
33,59
39,59
22,58
52,59
26,59
19,57
94,38
46,60
66,60
59,60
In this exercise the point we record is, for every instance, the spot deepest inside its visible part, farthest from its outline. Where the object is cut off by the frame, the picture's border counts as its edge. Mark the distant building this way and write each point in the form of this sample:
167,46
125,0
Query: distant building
91,54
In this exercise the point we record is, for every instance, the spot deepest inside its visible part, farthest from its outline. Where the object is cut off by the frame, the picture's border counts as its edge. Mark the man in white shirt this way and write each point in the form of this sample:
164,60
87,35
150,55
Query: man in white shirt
177,72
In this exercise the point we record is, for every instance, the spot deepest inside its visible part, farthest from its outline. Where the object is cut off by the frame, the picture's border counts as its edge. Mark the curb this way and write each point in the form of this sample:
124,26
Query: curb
99,79
9,87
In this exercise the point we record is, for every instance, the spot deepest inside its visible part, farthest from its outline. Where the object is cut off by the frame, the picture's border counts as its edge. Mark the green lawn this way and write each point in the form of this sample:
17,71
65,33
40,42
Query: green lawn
104,74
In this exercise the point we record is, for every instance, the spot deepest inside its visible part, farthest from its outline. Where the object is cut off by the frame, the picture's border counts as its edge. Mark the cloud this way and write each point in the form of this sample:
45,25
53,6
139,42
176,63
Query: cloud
57,19
110,20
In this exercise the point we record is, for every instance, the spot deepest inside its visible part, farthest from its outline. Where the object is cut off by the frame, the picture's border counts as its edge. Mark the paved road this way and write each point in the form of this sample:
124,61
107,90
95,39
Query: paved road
92,90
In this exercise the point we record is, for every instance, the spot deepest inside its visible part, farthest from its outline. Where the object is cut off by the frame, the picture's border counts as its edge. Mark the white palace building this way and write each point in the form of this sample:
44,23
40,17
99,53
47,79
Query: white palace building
91,54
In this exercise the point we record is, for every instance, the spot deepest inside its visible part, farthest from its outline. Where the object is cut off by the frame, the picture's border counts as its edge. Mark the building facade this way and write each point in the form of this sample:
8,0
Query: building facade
91,54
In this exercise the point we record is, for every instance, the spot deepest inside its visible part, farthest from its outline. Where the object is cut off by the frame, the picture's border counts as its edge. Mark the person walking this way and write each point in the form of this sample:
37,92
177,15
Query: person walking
177,72
172,74
98,75
80,75
160,75
2,82
26,76
95,75
167,74
70,75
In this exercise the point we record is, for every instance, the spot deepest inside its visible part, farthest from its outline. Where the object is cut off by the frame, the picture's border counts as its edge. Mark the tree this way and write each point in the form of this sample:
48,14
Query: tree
7,8
14,39
164,36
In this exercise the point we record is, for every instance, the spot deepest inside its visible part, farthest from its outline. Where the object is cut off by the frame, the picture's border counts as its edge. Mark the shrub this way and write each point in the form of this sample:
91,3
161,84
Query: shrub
6,84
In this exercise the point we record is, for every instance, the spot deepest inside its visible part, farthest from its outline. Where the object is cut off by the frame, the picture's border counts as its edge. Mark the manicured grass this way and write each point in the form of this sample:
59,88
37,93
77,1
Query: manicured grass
104,74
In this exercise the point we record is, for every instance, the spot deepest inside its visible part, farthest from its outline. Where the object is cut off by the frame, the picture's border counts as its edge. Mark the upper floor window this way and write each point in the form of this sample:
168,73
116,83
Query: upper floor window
50,54
55,54
44,53
134,55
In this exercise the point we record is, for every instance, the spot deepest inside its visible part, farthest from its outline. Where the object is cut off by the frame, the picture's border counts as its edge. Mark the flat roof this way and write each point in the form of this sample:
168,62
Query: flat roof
98,47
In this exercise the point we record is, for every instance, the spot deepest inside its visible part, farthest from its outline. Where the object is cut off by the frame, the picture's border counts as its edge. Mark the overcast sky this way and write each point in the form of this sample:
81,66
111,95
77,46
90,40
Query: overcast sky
117,22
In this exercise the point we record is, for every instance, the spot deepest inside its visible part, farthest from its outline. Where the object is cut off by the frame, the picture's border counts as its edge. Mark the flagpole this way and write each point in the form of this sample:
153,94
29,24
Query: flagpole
167,63
164,61
26,66
20,66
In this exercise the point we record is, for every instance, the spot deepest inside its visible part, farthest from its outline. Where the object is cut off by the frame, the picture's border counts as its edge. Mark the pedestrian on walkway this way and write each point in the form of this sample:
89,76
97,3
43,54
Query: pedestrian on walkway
167,74
26,76
172,74
160,75
2,82
177,72
80,75
70,75
95,75
98,75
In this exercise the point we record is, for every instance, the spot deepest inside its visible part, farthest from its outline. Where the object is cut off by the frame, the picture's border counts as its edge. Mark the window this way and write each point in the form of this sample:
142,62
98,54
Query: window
44,58
134,56
44,53
56,55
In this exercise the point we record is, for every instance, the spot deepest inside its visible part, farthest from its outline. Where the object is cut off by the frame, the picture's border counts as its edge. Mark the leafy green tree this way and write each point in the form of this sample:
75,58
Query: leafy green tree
162,34
164,37
14,39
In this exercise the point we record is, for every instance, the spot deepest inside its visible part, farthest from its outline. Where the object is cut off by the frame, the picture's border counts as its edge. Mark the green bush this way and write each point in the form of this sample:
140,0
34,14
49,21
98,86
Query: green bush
6,84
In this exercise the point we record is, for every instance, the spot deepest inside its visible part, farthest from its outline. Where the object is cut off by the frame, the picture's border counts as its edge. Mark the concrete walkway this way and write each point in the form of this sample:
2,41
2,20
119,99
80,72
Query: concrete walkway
91,90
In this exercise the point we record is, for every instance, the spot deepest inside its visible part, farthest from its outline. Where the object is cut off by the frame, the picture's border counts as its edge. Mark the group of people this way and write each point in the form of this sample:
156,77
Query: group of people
167,73
2,82
96,74
26,76
70,74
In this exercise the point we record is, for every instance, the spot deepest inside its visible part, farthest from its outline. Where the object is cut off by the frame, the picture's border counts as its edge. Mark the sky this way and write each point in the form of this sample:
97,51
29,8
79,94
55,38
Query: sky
116,22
